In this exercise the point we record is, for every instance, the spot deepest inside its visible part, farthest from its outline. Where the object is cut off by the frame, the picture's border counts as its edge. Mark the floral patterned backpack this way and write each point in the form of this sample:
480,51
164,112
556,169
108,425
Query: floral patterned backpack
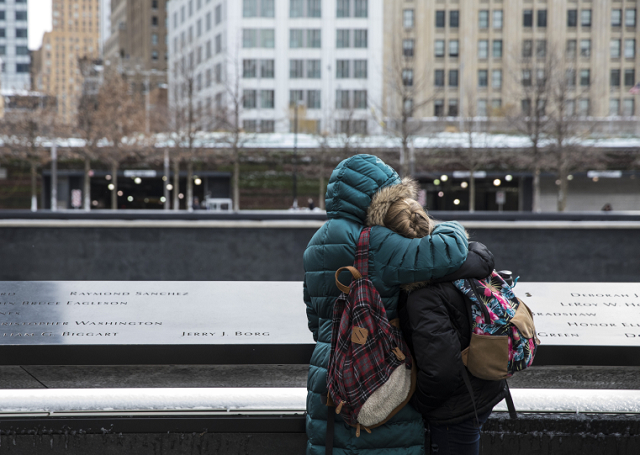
503,338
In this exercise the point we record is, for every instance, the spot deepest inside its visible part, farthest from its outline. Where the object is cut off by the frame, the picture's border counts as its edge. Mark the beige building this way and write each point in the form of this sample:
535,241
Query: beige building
137,45
478,57
75,34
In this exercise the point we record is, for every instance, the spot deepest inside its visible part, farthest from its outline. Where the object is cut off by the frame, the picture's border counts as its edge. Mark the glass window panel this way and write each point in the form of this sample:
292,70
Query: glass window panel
483,48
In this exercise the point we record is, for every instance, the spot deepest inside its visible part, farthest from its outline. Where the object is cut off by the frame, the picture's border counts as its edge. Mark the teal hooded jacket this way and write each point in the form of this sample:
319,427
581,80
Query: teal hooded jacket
359,193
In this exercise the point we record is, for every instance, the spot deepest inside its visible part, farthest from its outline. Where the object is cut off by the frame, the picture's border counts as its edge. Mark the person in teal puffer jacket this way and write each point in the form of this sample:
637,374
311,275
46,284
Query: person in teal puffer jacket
359,193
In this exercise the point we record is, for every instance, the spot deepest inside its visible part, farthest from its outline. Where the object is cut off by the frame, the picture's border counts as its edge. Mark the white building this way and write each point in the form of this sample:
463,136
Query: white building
326,54
14,50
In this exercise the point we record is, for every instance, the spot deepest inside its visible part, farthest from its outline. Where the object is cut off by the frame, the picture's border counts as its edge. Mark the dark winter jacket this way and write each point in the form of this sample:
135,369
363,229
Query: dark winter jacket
436,323
360,191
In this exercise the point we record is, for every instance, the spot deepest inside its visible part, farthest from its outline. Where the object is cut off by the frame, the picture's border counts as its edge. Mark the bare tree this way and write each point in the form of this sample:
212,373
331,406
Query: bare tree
27,130
121,117
407,92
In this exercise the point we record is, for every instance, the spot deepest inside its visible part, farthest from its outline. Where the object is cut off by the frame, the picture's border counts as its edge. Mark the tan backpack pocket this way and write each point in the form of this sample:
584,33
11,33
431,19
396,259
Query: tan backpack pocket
523,320
487,356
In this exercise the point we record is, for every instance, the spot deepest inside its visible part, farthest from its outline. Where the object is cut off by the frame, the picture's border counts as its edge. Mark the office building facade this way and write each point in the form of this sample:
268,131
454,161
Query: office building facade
14,50
273,57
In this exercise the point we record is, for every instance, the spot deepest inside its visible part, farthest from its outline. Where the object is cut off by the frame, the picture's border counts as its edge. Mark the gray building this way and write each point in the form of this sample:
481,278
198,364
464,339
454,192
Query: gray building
14,50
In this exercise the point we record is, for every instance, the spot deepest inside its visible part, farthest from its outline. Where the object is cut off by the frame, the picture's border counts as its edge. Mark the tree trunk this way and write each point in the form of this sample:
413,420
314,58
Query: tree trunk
472,192
34,187
176,183
87,184
536,190
236,180
190,186
114,181
563,188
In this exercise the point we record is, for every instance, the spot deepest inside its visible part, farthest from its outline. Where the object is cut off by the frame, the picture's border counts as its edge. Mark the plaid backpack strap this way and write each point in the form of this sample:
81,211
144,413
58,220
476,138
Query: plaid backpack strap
362,252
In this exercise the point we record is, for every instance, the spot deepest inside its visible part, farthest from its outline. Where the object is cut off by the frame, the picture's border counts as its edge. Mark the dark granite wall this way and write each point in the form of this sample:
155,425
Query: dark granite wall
273,254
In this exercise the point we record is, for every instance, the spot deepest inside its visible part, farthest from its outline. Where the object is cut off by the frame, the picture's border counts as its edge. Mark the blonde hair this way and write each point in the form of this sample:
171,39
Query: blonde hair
408,218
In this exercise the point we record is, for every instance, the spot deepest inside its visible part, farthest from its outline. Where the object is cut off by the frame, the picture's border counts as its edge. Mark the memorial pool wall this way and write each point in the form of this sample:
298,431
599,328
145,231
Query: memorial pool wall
271,249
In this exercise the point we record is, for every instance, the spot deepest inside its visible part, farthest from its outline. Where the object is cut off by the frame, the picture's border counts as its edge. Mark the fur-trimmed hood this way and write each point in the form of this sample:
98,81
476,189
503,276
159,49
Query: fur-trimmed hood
382,200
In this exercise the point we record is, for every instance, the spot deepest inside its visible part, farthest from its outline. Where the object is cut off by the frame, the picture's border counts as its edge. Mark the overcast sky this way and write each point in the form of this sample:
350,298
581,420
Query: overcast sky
39,21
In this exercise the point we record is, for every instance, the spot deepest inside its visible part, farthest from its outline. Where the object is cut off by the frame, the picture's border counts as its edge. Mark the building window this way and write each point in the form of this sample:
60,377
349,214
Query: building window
572,48
585,18
154,20
453,78
218,12
454,18
361,8
629,48
583,107
496,105
483,49
454,48
527,48
267,69
526,106
408,47
526,78
296,38
496,78
542,18
439,78
314,38
267,38
207,79
22,16
296,69
342,8
249,39
541,48
572,18
249,8
24,50
527,18
482,108
438,108
453,107
342,99
570,76
629,78
360,38
295,97
585,78
343,38
313,99
628,107
267,8
585,48
313,69
497,19
360,69
483,78
630,17
440,19
250,126
359,99
616,18
407,77
497,48
267,99
218,72
22,68
614,48
21,33
407,107
483,19
267,126
296,8
439,48
614,78
342,69
407,18
154,39
314,8
249,99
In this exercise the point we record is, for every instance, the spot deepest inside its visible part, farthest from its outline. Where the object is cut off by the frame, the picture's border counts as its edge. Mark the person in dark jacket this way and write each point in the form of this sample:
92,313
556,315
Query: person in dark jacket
436,322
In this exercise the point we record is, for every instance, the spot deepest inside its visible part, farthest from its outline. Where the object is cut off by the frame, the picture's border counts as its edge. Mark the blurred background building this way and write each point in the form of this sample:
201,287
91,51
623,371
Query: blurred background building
14,51
258,58
75,35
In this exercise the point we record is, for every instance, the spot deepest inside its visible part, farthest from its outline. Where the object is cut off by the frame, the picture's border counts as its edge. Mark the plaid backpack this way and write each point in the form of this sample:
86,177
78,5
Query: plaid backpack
503,338
370,376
